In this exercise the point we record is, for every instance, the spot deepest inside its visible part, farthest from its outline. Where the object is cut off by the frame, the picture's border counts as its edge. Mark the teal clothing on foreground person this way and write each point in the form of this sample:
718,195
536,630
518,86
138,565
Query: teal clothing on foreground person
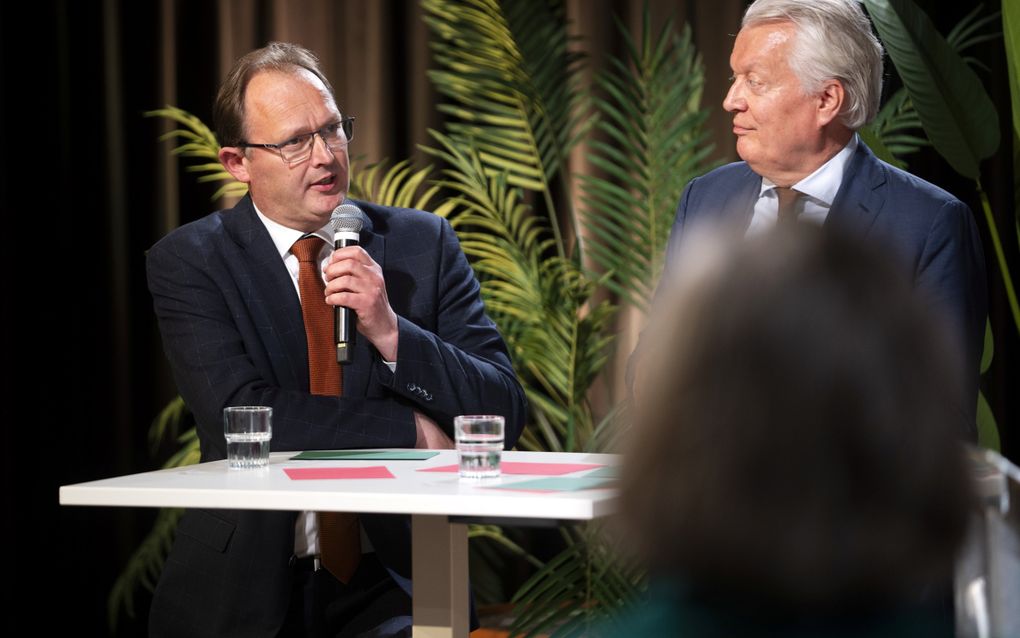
671,609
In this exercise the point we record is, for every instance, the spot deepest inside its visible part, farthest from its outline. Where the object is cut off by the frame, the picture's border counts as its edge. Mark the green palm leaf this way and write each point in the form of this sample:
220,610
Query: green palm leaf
1011,31
398,185
897,130
509,76
653,142
196,140
535,297
956,112
145,564
143,568
968,33
988,429
584,586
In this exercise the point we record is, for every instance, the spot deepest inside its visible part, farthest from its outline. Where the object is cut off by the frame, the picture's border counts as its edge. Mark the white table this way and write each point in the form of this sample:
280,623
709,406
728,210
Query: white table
439,544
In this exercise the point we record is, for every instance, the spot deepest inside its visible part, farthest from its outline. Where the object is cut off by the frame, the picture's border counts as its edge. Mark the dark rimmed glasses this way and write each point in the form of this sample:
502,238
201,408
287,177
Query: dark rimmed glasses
336,136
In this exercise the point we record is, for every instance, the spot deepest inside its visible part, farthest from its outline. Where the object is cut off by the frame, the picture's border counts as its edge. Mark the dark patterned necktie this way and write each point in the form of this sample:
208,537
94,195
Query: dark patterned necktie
787,202
339,532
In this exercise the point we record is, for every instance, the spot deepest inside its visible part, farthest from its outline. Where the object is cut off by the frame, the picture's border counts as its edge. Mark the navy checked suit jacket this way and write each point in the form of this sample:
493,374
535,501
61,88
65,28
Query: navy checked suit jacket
231,325
931,232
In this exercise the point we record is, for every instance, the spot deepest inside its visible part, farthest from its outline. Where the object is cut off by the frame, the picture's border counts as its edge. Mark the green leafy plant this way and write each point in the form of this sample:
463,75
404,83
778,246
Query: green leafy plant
196,141
653,141
944,95
517,109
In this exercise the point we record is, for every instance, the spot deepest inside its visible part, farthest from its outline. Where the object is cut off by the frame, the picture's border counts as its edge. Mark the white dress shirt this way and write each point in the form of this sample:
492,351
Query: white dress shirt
817,191
306,528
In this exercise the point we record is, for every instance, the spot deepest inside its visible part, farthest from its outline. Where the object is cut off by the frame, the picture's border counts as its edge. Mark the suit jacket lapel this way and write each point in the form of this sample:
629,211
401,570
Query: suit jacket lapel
861,196
738,203
269,292
730,205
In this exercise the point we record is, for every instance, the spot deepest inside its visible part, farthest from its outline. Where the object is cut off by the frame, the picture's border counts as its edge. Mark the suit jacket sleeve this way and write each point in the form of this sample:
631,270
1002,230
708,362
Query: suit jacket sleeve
950,273
456,361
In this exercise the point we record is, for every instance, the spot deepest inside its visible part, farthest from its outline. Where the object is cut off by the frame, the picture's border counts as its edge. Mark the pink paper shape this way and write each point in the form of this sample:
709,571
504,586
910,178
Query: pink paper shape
535,469
313,473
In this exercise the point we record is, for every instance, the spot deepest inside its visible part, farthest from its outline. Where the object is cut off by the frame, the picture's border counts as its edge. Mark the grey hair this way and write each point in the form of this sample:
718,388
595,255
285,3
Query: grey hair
834,41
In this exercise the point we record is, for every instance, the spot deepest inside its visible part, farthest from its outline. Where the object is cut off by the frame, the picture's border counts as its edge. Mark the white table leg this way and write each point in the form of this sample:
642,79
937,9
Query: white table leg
439,577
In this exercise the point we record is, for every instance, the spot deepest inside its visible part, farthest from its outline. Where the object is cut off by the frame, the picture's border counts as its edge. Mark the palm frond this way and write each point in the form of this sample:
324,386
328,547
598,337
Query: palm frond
956,124
653,142
509,76
972,30
143,568
495,534
188,452
167,423
398,185
610,431
584,586
538,299
195,140
896,131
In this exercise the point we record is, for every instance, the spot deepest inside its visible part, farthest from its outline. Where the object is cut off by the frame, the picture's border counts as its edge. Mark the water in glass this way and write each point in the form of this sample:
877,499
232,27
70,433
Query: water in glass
249,450
479,441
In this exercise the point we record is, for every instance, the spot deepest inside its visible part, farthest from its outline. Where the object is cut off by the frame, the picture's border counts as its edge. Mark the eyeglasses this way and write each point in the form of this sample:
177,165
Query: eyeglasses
336,136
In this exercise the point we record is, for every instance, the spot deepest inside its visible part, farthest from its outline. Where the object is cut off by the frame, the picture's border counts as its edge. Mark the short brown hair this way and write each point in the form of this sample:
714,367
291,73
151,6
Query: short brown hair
228,110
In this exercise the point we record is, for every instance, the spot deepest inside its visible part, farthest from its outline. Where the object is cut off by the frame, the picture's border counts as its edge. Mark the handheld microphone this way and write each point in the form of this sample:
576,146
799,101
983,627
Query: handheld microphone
347,221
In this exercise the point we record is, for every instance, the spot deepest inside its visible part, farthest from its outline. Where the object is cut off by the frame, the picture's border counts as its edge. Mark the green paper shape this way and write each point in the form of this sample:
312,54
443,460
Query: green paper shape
558,484
607,472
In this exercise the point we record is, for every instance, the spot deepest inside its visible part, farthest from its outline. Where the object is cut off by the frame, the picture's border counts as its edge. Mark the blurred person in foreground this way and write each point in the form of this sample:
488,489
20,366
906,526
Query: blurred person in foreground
230,294
807,74
795,467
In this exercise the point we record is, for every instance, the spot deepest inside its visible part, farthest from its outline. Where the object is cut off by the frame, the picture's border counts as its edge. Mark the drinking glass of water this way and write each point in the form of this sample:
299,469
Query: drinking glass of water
248,429
479,439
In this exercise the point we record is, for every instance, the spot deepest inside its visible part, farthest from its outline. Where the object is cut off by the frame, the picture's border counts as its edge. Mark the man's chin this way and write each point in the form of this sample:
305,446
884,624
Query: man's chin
746,151
327,203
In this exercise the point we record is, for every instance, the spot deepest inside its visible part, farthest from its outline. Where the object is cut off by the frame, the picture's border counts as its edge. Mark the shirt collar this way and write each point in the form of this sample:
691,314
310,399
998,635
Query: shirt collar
284,237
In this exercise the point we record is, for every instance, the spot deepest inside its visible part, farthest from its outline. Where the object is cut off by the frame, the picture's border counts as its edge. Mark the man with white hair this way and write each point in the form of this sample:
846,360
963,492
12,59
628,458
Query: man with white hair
807,74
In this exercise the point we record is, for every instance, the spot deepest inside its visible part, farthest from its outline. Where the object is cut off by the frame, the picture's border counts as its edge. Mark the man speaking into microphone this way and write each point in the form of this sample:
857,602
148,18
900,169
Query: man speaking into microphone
245,301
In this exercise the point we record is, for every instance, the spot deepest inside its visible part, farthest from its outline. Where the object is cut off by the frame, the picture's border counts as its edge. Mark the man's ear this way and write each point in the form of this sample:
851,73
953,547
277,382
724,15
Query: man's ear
234,160
830,101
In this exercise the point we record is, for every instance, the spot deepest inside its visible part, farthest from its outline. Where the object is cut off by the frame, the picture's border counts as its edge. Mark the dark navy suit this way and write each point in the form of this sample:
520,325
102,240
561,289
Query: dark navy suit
932,233
231,324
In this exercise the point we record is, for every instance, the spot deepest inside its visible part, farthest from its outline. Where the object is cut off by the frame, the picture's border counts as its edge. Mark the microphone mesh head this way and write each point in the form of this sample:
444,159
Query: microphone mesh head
347,218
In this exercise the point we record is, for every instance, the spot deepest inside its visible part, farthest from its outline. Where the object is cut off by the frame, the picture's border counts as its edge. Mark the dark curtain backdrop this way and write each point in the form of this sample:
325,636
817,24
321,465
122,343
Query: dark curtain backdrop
86,188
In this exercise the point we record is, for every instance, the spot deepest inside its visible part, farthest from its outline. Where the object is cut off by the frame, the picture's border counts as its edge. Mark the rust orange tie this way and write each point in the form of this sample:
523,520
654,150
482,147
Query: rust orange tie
339,532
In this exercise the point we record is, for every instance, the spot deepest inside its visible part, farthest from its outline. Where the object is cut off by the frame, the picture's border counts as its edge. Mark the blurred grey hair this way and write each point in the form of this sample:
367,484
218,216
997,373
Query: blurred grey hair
834,41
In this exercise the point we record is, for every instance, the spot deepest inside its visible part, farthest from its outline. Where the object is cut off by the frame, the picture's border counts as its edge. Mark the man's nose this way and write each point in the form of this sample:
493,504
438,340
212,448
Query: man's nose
321,153
733,100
